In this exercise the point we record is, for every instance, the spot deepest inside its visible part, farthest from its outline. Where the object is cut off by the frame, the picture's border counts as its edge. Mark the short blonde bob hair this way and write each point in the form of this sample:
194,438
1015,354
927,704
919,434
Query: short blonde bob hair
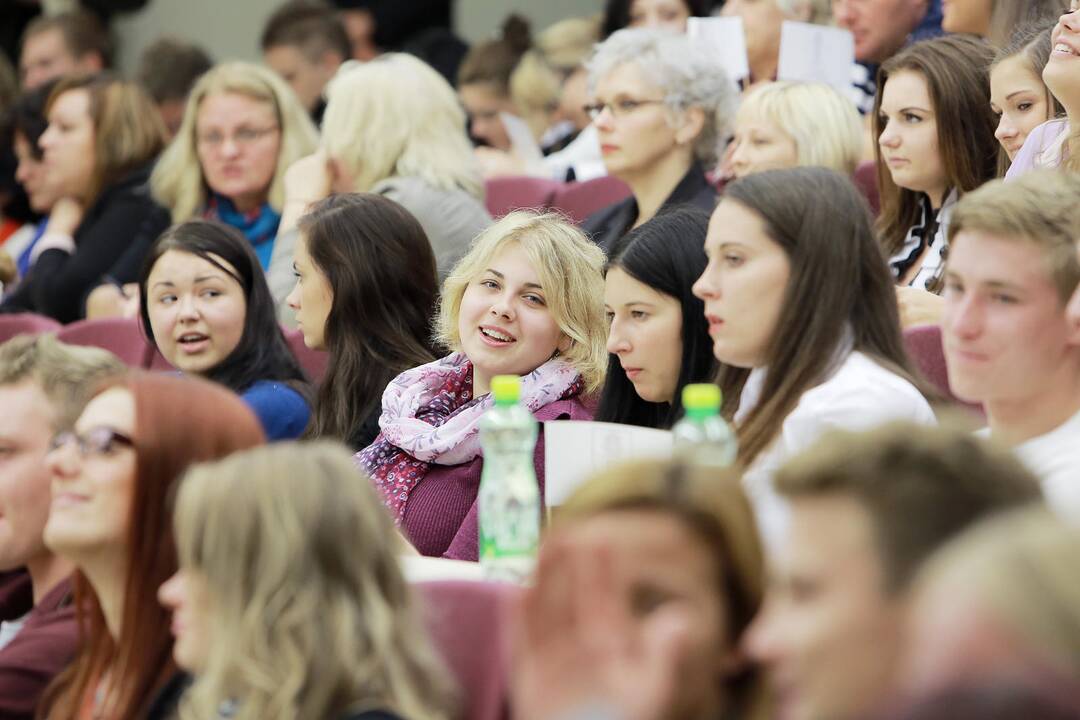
397,117
823,123
570,268
178,182
309,612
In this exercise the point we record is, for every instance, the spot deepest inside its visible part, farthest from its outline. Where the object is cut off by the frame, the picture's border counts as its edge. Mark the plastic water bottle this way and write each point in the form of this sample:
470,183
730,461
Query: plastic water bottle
509,494
702,436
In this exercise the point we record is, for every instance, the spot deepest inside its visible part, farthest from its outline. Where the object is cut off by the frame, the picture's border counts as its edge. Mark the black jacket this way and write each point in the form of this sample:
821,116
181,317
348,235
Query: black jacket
606,226
114,236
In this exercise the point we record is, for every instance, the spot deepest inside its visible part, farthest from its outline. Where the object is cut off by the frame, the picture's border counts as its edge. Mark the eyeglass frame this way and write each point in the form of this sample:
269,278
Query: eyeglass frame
619,108
101,440
241,137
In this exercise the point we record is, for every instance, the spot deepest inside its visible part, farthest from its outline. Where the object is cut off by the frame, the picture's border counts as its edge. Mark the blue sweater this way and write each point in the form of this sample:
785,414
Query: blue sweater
282,411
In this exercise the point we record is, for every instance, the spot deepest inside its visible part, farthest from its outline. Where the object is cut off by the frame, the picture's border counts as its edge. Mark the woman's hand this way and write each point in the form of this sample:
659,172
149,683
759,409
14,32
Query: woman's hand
65,217
307,181
919,307
578,650
497,163
110,300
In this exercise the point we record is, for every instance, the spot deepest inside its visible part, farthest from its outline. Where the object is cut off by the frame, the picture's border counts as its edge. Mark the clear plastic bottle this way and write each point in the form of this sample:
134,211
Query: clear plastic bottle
702,436
509,500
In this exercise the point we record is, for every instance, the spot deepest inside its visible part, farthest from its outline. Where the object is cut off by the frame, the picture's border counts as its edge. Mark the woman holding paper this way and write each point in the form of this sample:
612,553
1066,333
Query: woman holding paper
658,339
762,21
526,300
661,108
804,321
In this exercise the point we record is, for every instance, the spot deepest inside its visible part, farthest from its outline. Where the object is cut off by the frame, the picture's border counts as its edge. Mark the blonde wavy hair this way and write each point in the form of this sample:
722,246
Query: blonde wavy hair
178,182
309,612
397,117
823,123
570,268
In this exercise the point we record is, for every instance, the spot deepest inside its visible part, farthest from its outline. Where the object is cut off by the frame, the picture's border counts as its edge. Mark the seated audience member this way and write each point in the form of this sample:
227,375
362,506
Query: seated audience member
658,338
393,127
1053,144
102,139
881,29
1009,342
526,300
866,512
113,477
43,385
168,69
645,557
301,580
1018,95
1000,605
204,303
762,20
661,107
997,20
935,142
365,292
241,131
305,43
780,242
483,83
70,43
658,14
794,124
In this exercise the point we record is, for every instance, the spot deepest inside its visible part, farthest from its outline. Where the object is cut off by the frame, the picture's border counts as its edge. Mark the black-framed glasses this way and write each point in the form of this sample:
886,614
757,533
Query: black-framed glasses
101,440
618,108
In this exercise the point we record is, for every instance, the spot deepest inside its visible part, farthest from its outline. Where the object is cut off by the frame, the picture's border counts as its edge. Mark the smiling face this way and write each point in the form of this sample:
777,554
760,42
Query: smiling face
68,145
1004,329
196,310
92,496
237,139
187,596
1018,97
966,16
504,322
25,428
667,565
642,134
909,136
828,635
761,145
663,14
312,298
1060,73
743,285
645,333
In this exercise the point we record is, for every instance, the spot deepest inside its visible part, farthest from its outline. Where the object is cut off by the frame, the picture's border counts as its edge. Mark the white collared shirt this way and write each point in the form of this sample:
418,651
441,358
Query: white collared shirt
859,395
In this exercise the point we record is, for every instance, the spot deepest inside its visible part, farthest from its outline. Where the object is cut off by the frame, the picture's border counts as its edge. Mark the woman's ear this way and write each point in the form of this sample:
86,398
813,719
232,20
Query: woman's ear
693,122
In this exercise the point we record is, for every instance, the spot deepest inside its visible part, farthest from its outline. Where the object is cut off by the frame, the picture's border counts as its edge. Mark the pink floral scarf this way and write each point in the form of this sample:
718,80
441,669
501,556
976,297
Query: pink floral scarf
429,416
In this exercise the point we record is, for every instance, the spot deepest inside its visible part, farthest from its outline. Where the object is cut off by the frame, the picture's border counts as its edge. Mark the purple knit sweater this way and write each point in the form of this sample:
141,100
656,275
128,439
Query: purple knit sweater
440,517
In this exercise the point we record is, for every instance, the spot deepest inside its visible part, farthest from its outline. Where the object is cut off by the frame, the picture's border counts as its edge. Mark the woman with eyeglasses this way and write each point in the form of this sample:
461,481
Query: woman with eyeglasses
242,129
661,108
112,480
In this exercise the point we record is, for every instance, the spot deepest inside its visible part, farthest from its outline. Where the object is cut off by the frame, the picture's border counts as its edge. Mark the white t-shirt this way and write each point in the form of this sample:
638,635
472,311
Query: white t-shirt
861,394
1055,460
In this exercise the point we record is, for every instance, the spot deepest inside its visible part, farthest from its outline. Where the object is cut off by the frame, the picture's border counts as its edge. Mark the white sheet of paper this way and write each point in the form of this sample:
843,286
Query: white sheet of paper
522,142
574,450
815,53
722,36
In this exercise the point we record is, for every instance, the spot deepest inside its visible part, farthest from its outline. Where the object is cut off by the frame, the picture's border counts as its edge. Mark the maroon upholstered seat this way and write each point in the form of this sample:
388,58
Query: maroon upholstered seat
25,324
501,195
122,337
579,200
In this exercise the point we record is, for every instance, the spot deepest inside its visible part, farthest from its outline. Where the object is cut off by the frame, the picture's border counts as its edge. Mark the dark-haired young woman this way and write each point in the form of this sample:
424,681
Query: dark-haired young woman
205,304
804,321
658,338
365,291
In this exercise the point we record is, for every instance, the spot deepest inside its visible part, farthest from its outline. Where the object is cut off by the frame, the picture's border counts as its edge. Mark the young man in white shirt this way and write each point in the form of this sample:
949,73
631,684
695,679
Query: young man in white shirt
1009,342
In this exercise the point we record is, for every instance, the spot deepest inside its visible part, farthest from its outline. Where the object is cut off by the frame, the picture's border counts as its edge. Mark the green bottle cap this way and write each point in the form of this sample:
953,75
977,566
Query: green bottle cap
701,398
506,389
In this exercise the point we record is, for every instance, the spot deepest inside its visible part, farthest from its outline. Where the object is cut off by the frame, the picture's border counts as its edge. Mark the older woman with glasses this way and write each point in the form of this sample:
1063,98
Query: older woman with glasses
661,108
242,129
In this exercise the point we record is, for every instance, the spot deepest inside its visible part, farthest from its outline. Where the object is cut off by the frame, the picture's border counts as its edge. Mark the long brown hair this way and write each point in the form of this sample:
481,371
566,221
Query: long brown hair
179,421
128,130
381,271
840,291
956,70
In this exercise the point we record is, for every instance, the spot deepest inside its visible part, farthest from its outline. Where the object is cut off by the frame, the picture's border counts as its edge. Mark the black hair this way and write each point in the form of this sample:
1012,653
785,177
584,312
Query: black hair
666,253
617,13
262,353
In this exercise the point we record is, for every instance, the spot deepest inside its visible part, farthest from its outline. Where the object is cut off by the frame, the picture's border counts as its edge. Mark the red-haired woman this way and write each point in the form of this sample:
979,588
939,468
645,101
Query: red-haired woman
112,477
